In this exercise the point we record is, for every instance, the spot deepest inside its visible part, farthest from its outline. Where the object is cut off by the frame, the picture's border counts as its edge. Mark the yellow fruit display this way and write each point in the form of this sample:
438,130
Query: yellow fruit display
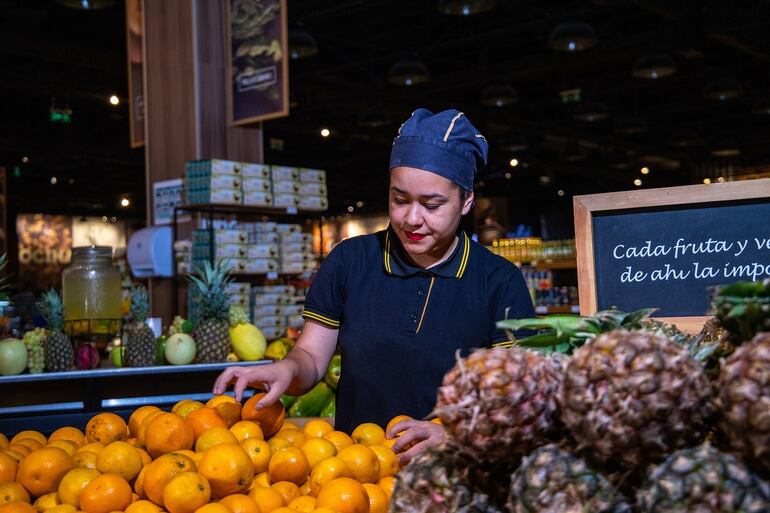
73,483
120,458
248,342
362,462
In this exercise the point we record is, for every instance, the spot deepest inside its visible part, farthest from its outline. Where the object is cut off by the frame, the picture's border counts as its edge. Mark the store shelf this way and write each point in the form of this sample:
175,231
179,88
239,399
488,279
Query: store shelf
554,264
224,208
548,310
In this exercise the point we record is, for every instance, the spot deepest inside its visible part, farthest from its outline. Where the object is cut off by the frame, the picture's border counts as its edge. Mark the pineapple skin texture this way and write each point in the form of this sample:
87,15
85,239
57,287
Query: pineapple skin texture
140,345
630,397
213,340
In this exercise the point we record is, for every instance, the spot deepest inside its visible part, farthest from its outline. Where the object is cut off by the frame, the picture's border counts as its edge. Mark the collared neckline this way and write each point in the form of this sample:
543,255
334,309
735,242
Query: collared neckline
397,263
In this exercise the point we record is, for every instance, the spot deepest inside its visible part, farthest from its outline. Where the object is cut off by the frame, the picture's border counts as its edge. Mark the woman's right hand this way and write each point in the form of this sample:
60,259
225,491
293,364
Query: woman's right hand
275,378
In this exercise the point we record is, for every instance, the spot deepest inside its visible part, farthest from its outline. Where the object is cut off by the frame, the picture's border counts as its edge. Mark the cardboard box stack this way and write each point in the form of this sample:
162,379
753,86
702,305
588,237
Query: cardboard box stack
229,245
274,308
312,190
257,185
213,181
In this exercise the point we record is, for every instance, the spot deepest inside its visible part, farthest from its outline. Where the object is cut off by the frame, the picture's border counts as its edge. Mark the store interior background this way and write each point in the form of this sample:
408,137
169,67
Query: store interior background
663,94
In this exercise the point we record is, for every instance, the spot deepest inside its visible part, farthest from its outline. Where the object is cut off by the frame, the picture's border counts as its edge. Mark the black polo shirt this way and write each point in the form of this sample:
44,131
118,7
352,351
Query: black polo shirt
400,326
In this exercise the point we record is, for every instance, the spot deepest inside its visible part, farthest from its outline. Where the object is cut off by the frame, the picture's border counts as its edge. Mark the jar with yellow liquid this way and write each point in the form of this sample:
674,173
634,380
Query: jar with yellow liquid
91,293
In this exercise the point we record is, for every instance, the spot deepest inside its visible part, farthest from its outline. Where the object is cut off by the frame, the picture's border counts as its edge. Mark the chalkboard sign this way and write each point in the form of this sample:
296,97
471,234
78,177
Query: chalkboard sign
664,247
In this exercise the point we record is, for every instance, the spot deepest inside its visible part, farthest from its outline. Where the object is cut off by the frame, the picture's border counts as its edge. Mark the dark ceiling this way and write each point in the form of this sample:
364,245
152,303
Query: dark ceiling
76,58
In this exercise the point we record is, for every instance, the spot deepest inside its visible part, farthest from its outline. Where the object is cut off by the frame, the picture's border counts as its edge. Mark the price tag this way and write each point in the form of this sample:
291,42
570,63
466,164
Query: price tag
291,210
272,275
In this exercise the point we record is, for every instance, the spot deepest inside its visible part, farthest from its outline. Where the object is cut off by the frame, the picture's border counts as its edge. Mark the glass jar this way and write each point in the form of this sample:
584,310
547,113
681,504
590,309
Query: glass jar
91,292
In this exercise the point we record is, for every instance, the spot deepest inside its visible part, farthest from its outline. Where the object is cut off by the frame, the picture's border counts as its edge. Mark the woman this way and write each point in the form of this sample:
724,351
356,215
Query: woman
403,302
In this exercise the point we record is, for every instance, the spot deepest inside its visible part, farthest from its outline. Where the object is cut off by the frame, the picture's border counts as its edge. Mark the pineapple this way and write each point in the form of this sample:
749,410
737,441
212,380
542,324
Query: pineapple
744,402
59,355
139,338
445,479
35,342
551,479
743,308
501,403
702,479
630,397
211,332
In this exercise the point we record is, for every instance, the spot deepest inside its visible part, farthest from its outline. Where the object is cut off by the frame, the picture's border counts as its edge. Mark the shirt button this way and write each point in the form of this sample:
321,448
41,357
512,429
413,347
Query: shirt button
413,317
420,293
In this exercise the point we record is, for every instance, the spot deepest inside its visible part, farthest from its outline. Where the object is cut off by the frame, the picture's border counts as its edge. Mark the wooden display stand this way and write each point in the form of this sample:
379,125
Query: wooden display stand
742,208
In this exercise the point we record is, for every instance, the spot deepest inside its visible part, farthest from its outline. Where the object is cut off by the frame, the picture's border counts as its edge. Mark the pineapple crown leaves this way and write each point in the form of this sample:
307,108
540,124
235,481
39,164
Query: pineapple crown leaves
211,285
51,308
140,303
743,308
3,277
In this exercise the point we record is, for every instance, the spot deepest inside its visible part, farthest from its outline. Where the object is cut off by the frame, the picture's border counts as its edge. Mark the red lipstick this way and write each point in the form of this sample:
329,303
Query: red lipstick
414,236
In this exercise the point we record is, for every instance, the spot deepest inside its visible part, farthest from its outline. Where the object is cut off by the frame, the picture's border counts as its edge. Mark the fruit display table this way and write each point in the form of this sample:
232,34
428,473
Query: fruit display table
50,400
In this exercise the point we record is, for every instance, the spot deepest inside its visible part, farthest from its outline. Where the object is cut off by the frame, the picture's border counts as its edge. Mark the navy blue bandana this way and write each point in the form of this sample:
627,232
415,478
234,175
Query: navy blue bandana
446,144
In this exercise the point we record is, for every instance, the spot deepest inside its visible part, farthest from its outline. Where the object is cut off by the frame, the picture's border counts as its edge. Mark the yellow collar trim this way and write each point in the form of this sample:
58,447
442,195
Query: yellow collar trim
464,261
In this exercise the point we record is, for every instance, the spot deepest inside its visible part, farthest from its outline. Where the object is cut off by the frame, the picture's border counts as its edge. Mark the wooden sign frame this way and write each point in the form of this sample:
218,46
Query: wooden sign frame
585,207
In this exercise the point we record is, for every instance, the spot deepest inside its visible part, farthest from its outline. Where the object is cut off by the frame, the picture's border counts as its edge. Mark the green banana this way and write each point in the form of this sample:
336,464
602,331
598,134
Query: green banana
330,408
310,404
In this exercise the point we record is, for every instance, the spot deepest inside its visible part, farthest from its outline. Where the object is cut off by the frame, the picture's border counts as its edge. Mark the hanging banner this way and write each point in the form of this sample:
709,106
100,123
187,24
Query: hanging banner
45,249
257,58
134,45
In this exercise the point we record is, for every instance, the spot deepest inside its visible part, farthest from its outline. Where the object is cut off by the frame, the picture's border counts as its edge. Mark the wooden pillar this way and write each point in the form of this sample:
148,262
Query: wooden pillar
185,104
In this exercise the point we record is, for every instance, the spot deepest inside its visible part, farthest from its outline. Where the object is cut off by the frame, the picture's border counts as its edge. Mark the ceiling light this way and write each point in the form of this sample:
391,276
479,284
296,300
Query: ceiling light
350,208
572,36
726,152
499,95
508,176
514,162
124,202
723,89
631,126
114,100
301,44
86,5
638,182
325,132
375,117
645,170
590,112
359,204
545,180
408,71
25,159
54,180
464,7
721,179
654,66
560,192
707,181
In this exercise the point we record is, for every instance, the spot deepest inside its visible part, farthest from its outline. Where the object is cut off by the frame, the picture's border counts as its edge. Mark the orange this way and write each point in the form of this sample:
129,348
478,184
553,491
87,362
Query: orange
205,418
139,484
85,459
157,474
285,509
362,462
146,458
29,433
266,498
143,506
339,439
316,428
287,424
21,449
42,470
15,455
325,471
29,443
141,434
68,433
106,493
186,493
289,465
261,479
287,490
185,406
214,436
437,420
278,444
305,488
73,483
344,495
387,484
231,412
133,441
219,399
240,503
94,447
167,433
8,468
389,442
137,416
13,491
317,449
305,504
187,452
16,507
106,428
120,458
46,501
63,508
269,418
378,499
246,429
368,433
4,443
67,446
259,453
324,509
213,507
294,436
395,420
228,469
387,459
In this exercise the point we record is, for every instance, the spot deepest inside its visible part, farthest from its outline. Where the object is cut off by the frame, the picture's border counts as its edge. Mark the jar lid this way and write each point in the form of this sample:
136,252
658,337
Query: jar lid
92,251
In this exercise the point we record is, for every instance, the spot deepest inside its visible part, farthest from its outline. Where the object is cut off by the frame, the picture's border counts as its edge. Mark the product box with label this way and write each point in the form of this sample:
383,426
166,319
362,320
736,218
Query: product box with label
296,237
271,299
265,226
297,257
252,170
294,321
313,202
222,236
264,237
274,289
268,321
292,309
285,200
312,189
312,175
272,333
263,251
261,265
212,167
292,267
284,173
239,300
258,198
256,184
285,187
238,288
284,228
266,310
296,247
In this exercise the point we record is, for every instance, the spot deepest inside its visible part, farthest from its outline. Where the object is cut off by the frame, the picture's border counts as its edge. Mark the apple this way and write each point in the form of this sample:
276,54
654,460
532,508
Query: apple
180,349
13,356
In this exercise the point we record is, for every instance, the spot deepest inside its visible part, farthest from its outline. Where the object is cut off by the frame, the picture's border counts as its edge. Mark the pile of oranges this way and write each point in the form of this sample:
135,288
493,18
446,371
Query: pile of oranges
218,457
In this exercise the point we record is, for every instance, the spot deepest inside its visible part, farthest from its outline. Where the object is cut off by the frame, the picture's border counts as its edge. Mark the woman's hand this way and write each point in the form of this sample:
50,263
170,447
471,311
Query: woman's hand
275,378
416,436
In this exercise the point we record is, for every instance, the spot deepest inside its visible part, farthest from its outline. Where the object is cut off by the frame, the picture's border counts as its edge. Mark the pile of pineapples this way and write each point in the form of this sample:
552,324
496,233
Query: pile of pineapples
607,414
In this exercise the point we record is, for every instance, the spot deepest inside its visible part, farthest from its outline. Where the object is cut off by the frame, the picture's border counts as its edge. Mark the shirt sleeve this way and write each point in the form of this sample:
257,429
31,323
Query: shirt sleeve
326,297
511,300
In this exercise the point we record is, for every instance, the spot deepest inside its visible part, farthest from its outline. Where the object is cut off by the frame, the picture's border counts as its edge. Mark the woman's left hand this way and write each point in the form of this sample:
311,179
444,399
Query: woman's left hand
417,436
